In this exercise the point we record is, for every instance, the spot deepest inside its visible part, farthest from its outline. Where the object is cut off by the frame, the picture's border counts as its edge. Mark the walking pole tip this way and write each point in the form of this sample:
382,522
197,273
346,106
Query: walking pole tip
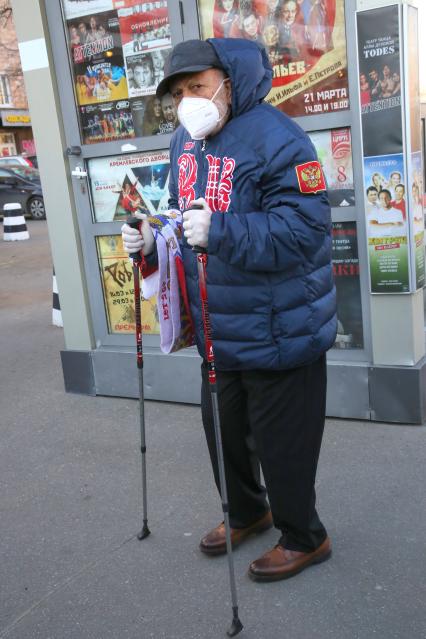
144,533
235,627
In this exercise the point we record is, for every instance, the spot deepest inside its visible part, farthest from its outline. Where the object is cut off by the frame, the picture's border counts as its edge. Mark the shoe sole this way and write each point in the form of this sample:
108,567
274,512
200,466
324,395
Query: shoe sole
290,573
214,552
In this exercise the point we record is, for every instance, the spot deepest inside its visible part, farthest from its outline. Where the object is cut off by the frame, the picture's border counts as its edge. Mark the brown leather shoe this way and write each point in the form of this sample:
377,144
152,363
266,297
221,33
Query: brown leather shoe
282,563
214,543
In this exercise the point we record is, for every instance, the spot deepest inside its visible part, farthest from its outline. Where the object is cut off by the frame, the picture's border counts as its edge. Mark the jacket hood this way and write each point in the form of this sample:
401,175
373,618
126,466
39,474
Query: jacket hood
248,66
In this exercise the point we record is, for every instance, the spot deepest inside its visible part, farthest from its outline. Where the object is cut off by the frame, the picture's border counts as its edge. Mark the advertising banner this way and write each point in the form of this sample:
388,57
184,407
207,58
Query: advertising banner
75,8
306,45
107,121
117,52
334,151
92,36
121,185
154,116
385,184
144,71
387,228
143,30
415,172
117,284
97,57
415,161
380,80
348,290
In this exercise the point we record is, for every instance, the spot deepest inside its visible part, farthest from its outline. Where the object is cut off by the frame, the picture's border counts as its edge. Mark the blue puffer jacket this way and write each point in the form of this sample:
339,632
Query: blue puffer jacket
270,284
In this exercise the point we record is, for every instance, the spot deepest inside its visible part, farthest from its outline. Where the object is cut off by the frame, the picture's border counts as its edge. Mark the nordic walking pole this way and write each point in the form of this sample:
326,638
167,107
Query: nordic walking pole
236,625
136,259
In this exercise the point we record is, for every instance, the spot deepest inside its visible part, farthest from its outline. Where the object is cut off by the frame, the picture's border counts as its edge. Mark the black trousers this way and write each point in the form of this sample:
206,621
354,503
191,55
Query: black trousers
275,418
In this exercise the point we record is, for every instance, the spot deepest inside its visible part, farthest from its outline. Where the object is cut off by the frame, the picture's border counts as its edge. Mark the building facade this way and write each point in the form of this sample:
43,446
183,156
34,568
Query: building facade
102,133
16,135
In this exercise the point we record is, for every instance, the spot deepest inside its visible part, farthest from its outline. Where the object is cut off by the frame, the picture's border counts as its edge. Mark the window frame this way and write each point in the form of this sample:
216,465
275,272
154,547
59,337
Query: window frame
5,91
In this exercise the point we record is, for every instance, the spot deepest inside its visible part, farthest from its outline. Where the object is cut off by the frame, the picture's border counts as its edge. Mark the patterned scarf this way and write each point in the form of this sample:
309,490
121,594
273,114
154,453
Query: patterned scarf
168,284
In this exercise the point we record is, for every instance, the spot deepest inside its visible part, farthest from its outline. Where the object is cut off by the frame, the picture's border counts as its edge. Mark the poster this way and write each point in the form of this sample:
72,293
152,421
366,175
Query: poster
145,71
117,284
154,116
76,8
97,57
415,163
306,45
101,81
143,26
348,290
334,151
387,227
121,185
415,171
380,80
385,181
106,122
93,35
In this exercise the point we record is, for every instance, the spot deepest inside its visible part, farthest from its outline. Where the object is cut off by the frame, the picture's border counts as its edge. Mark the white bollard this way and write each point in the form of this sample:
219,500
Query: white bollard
14,226
56,311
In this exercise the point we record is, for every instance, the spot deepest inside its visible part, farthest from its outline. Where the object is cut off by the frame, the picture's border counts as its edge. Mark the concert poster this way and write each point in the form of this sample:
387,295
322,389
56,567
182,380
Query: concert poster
348,289
106,122
334,149
305,42
94,36
143,26
145,71
117,284
77,8
154,116
122,185
97,56
380,80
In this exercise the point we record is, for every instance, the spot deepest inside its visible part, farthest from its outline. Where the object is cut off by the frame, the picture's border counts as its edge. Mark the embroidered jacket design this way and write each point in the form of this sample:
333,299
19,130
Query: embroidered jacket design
187,177
219,183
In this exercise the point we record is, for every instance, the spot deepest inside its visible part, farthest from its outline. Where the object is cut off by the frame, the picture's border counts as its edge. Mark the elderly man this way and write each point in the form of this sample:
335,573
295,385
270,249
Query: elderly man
265,222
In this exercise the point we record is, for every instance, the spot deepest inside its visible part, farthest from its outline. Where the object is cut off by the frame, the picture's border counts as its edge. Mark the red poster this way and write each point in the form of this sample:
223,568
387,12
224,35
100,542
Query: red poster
306,45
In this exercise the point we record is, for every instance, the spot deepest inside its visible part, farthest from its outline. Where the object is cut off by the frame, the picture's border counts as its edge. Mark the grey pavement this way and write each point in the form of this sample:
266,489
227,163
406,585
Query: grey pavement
70,563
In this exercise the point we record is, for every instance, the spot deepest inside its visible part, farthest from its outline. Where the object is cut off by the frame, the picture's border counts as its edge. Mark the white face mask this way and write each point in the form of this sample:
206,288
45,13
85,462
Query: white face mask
199,116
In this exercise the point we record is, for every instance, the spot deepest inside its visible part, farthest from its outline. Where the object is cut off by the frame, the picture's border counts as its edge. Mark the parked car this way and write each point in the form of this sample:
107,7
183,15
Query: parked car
6,160
33,160
24,171
23,189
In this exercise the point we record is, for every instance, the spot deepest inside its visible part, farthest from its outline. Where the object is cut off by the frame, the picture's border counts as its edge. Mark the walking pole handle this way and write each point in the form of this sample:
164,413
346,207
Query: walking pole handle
197,249
134,222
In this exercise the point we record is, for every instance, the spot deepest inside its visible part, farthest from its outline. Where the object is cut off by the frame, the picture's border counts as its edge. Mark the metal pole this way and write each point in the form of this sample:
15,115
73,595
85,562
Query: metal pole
236,625
136,257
